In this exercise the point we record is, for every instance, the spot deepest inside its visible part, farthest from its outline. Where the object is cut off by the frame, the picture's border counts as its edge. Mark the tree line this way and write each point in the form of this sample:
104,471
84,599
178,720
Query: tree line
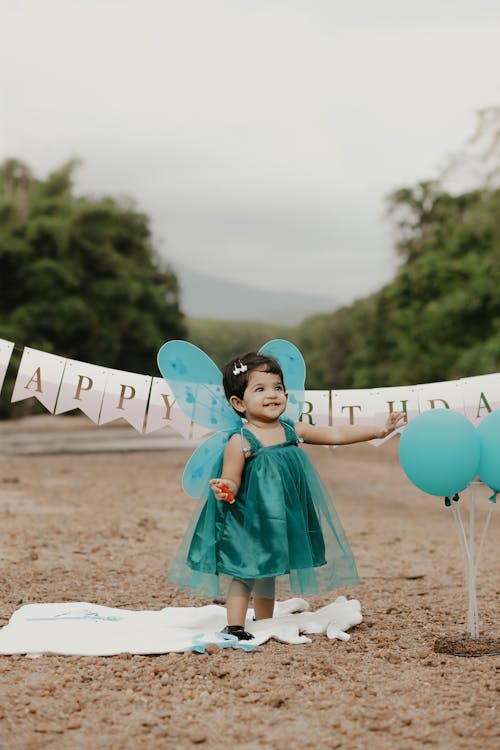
439,317
79,277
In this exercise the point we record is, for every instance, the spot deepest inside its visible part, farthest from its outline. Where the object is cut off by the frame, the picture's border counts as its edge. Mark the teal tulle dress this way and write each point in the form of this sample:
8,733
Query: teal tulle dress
282,524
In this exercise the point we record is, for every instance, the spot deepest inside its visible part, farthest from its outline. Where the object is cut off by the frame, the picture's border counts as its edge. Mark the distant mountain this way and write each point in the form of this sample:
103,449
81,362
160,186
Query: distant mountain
209,297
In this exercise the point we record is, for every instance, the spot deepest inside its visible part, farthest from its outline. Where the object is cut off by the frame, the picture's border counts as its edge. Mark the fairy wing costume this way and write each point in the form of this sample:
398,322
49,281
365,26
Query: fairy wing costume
283,522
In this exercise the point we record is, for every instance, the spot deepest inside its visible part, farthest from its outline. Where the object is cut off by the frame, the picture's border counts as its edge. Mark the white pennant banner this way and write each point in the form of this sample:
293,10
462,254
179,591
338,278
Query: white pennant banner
126,397
353,407
164,412
148,403
316,409
82,387
481,395
6,348
39,376
387,400
446,395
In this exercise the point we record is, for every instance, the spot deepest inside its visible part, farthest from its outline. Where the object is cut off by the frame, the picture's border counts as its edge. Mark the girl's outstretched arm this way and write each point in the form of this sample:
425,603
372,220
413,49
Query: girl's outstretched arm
232,469
348,433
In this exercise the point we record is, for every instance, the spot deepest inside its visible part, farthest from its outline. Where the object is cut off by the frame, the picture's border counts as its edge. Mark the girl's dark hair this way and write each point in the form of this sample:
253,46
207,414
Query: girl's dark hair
235,385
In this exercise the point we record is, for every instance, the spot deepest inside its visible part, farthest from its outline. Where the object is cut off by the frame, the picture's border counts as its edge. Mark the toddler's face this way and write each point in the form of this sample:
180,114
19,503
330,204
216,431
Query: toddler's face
264,397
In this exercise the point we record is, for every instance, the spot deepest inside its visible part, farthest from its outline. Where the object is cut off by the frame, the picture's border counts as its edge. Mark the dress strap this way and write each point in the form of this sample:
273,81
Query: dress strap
290,433
245,444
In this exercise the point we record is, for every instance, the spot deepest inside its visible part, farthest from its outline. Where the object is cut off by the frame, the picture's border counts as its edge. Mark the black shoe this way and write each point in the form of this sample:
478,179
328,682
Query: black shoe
237,630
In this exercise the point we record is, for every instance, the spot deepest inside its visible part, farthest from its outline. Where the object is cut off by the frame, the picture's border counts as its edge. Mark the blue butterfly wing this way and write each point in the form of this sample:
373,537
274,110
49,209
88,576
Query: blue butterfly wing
196,383
205,464
294,373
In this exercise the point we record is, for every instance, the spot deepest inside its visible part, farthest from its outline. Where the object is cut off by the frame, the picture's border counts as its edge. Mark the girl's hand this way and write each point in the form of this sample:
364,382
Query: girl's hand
394,420
223,489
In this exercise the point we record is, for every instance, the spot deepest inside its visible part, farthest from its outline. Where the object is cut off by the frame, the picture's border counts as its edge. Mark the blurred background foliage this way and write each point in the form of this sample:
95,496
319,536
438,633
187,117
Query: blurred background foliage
79,277
439,317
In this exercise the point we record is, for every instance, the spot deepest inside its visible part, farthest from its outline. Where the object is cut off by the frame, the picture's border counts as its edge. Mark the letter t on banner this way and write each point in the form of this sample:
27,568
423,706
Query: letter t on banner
6,348
353,407
39,376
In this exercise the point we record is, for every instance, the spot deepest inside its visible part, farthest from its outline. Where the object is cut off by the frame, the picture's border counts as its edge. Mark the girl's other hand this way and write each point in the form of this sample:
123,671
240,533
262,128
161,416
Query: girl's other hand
394,420
223,489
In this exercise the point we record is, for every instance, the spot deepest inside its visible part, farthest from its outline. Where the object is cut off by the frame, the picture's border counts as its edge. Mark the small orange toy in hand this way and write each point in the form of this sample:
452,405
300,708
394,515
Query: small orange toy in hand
229,495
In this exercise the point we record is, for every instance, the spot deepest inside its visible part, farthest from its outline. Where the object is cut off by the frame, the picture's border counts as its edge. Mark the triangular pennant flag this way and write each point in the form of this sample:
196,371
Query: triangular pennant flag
6,348
164,412
82,387
39,376
126,397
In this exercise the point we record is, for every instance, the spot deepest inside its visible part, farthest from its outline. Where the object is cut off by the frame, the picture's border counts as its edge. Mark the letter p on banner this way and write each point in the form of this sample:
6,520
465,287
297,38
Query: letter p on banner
126,396
82,387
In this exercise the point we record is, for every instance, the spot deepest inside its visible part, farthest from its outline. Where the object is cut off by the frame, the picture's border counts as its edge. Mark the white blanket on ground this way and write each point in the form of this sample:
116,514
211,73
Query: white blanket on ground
80,628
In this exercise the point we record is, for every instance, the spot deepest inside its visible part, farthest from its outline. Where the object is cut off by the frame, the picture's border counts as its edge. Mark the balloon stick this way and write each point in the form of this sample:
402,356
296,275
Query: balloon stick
472,626
473,620
483,536
471,560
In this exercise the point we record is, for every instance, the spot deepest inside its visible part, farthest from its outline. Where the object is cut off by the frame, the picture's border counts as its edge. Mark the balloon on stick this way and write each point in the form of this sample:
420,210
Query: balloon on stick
439,452
488,432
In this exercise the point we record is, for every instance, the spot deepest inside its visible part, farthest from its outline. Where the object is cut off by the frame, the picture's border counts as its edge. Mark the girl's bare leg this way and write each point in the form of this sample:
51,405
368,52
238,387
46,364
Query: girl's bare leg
263,598
264,608
237,603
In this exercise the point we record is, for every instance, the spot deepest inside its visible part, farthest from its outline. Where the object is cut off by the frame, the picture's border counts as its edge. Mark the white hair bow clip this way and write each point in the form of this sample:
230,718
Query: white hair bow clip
239,368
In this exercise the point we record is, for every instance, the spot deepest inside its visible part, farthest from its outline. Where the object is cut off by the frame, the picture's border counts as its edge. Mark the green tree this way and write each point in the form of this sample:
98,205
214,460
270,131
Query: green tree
223,339
439,318
79,276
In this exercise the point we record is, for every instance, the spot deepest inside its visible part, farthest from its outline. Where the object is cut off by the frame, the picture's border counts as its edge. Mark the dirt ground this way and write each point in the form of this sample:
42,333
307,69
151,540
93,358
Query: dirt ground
104,527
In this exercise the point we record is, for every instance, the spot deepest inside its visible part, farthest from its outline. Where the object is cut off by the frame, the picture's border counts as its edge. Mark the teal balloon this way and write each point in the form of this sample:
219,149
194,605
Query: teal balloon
488,432
439,451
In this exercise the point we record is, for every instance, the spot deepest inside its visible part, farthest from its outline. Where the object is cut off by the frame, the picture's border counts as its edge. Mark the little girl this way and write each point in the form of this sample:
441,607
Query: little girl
275,517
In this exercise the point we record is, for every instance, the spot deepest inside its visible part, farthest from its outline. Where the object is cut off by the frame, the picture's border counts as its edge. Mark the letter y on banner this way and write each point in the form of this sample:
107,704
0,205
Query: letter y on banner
39,376
164,412
6,348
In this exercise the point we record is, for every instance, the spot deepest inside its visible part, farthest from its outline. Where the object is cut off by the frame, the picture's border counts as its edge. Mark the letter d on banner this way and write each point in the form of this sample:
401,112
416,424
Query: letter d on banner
39,376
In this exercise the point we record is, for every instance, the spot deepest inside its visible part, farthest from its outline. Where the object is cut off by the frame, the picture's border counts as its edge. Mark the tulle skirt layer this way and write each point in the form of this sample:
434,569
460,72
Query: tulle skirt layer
283,524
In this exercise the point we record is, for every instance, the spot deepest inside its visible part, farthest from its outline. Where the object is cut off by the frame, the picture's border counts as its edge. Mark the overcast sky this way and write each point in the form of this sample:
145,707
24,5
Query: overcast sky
261,136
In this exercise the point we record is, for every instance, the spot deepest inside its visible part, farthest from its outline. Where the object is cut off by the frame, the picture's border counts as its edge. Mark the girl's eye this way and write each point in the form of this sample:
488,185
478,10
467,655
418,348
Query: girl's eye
279,387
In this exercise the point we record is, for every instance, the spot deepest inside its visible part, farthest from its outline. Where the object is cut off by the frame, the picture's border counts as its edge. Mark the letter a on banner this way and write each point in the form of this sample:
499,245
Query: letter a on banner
125,397
481,396
39,376
6,348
